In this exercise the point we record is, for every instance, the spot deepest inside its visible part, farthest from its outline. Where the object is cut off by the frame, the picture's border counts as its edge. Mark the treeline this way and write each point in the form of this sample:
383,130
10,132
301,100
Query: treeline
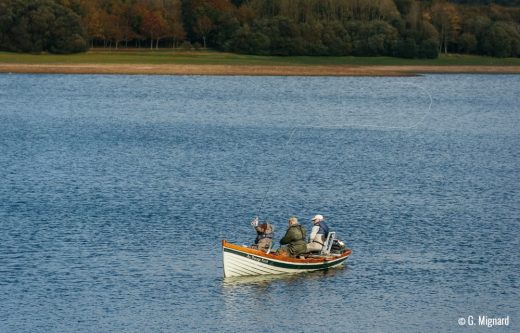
40,25
488,2
403,28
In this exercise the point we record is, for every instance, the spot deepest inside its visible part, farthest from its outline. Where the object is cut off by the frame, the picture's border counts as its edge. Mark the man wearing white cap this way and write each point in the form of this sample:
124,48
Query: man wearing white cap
319,233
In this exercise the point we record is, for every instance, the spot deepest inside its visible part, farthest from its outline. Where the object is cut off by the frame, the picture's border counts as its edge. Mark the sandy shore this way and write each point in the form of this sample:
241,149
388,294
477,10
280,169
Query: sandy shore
189,69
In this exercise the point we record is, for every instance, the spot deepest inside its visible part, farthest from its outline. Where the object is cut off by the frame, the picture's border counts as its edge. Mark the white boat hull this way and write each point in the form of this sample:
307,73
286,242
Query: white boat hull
243,261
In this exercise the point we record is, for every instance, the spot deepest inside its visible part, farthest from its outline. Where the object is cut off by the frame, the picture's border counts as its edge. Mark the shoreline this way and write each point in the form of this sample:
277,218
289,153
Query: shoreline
253,70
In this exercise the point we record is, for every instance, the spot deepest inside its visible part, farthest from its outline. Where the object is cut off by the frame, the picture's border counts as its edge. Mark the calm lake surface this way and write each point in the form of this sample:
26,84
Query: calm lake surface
116,191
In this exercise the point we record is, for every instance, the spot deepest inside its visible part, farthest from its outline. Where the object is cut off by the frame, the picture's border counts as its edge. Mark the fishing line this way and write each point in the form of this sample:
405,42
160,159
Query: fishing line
417,123
295,127
293,130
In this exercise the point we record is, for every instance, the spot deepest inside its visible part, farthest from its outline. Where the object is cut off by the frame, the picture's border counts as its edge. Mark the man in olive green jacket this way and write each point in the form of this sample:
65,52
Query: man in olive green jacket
295,238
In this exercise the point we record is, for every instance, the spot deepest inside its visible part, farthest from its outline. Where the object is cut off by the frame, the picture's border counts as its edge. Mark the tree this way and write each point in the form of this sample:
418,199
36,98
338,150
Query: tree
404,6
177,33
203,28
67,34
372,38
119,25
447,21
154,26
173,16
467,43
429,49
40,26
228,25
501,40
406,48
336,39
248,42
314,36
284,35
93,20
387,10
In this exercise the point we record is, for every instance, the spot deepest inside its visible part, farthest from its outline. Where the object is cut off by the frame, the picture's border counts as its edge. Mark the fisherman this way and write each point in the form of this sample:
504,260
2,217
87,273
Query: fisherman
294,238
264,235
319,234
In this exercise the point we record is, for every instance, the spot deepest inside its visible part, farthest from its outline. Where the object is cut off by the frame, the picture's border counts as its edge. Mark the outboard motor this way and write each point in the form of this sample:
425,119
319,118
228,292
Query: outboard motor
337,246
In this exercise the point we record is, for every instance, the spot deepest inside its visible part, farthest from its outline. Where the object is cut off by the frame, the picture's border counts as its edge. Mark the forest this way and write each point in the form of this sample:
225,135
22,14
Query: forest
399,28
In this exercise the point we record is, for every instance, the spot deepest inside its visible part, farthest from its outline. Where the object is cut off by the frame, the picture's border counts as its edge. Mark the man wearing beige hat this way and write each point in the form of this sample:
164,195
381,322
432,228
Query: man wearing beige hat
319,233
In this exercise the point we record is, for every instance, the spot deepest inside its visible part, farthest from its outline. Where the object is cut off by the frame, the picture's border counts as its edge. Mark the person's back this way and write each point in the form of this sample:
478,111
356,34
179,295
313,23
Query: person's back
295,238
318,235
264,235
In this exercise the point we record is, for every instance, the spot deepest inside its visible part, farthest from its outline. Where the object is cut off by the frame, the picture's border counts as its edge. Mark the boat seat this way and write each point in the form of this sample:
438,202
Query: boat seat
328,243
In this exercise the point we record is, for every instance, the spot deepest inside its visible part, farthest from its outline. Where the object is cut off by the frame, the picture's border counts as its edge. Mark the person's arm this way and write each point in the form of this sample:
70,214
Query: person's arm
287,238
254,222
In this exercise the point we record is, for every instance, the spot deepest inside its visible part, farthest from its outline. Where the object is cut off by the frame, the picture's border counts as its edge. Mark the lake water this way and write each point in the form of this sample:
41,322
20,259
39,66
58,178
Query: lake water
116,191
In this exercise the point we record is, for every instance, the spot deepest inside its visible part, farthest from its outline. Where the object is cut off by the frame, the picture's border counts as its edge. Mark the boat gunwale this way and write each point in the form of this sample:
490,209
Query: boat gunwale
344,254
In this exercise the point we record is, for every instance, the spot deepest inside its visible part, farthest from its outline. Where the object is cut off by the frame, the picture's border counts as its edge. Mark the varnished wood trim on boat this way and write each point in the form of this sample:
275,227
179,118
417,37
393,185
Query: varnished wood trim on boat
244,249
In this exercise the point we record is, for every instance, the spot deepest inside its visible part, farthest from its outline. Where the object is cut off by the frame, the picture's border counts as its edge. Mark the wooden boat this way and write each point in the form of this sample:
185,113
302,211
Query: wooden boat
244,261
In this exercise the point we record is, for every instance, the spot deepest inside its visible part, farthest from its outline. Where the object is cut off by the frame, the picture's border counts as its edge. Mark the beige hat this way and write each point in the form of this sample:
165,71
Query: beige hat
317,218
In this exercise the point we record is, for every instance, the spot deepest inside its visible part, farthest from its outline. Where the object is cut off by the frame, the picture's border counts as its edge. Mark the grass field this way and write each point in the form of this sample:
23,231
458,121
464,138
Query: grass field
161,57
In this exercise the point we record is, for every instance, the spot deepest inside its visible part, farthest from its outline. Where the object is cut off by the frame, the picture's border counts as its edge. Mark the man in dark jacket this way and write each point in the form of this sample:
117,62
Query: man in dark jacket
295,238
264,235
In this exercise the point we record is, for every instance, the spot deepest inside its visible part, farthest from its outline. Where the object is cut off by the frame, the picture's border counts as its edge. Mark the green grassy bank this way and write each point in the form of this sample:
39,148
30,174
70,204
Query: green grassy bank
219,58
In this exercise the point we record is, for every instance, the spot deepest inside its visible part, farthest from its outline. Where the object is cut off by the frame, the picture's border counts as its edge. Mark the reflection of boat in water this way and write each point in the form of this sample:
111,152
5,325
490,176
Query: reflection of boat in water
244,261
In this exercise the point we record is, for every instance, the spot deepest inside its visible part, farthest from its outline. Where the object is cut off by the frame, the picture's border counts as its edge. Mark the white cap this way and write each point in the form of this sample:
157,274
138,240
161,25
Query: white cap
317,218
